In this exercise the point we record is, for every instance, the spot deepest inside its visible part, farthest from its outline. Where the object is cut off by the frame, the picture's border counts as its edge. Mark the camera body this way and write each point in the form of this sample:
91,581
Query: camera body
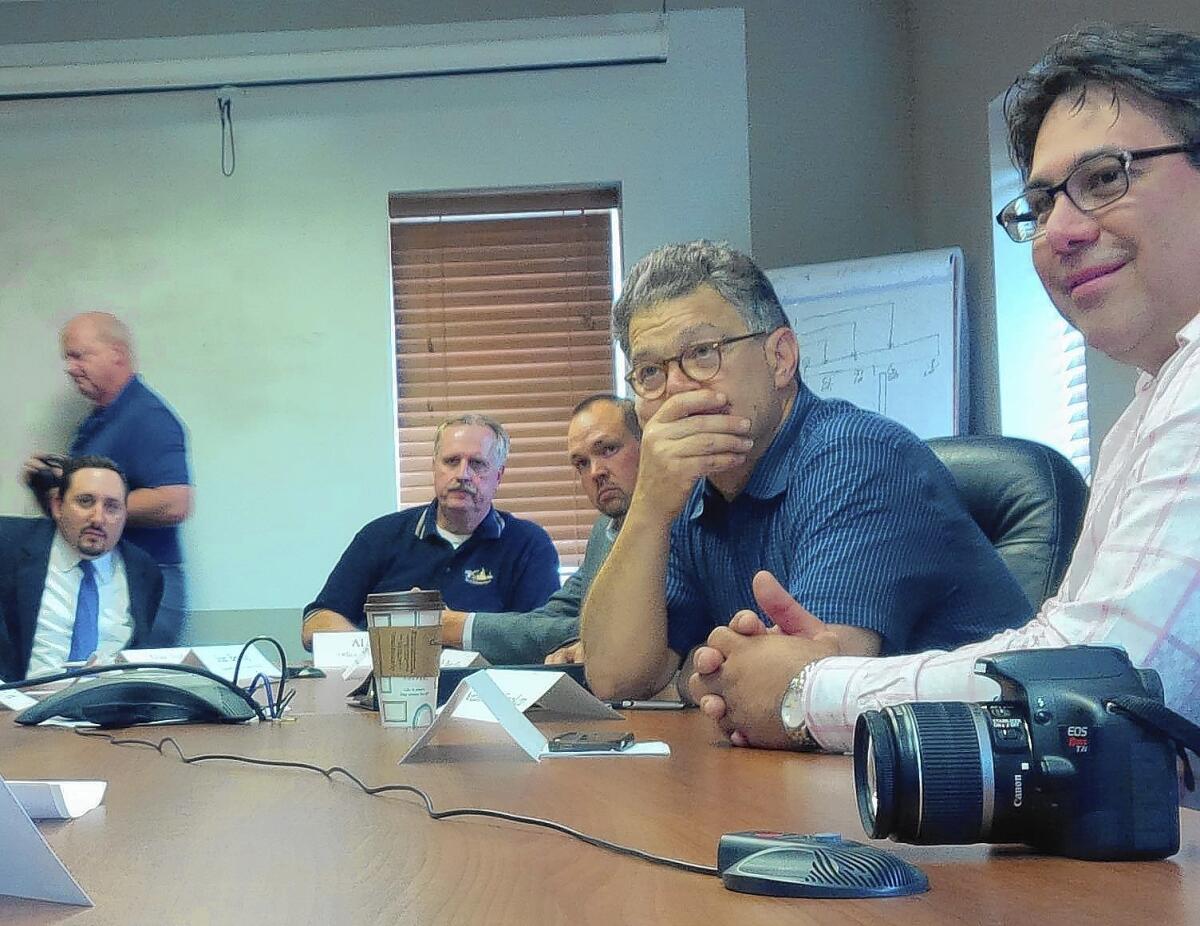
1048,764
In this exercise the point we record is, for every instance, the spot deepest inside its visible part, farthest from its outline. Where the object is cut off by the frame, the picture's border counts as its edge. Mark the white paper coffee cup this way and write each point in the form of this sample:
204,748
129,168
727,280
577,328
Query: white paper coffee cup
405,633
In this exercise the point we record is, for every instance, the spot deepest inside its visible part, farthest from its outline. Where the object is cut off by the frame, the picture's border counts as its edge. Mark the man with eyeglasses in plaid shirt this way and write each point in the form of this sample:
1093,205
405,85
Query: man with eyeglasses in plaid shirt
1106,131
743,468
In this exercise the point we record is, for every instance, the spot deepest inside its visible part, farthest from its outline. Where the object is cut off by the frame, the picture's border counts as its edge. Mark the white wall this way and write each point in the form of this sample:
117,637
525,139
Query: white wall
830,88
965,54
261,303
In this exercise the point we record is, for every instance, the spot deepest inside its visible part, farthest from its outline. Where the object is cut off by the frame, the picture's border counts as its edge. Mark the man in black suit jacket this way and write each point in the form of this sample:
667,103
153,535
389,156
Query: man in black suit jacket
89,516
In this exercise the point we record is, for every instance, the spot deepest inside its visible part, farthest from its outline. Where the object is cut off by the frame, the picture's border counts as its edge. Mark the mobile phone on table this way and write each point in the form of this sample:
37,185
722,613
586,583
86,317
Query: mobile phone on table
591,742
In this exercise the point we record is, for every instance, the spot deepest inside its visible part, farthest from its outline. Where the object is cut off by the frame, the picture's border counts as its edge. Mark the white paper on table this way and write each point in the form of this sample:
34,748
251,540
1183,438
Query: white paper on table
219,660
31,869
553,691
484,690
171,655
58,800
68,724
15,700
339,650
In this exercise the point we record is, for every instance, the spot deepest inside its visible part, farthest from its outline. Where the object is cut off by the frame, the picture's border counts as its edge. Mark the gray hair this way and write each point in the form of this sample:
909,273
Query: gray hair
1143,63
677,270
499,448
109,329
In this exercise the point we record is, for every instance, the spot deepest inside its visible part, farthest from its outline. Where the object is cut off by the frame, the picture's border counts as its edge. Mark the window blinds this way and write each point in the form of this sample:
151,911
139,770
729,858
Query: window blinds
502,305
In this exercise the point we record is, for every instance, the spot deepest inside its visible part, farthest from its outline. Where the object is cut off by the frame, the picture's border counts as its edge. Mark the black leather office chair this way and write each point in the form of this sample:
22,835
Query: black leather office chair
1026,497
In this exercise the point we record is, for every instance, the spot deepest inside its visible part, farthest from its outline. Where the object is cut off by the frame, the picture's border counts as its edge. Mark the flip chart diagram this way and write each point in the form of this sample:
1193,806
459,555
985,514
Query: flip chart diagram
885,333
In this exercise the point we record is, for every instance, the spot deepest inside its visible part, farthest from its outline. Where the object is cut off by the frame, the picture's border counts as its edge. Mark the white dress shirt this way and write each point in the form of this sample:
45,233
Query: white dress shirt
56,615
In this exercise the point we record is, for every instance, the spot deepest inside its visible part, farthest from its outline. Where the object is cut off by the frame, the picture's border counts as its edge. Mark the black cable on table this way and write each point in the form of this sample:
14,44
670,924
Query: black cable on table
433,813
237,668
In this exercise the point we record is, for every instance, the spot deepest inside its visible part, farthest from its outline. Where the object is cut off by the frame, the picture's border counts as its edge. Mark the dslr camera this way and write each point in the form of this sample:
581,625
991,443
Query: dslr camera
1077,758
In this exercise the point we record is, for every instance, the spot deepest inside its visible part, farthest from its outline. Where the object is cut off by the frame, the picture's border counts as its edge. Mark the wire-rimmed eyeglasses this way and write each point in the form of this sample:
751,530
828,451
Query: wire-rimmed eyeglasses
699,363
1095,182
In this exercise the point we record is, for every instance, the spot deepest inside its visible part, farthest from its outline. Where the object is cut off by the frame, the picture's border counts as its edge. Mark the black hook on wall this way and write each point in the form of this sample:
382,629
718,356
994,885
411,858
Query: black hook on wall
228,147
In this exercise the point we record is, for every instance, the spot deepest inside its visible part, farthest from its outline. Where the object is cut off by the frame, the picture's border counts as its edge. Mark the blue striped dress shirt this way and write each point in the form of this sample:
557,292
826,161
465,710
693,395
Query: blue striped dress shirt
860,522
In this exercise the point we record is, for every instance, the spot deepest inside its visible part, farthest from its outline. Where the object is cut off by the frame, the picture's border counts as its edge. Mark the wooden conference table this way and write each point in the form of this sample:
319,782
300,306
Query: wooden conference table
220,843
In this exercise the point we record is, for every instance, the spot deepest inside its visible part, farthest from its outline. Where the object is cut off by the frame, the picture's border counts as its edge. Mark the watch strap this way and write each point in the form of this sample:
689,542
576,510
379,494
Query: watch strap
801,739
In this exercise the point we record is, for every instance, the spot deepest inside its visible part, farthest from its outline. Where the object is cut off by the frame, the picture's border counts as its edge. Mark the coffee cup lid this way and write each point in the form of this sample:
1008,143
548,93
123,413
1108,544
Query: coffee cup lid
417,599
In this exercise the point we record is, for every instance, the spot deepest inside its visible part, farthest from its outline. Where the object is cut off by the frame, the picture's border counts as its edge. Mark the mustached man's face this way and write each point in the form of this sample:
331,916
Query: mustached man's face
465,476
91,512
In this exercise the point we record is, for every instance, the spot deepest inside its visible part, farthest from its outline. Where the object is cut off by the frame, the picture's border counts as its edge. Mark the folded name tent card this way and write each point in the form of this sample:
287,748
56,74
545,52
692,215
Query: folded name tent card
500,696
15,700
526,688
341,650
30,868
58,800
171,655
219,660
352,652
463,659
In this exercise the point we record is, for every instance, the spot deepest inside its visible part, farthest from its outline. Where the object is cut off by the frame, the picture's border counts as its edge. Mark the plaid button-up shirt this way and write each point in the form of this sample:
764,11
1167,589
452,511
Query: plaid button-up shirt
1134,580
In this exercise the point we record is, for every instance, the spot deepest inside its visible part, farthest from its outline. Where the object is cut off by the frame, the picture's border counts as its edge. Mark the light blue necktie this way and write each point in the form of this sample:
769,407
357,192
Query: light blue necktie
87,610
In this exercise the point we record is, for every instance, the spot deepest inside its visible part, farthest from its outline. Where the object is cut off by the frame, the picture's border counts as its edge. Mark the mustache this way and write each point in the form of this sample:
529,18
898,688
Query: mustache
457,486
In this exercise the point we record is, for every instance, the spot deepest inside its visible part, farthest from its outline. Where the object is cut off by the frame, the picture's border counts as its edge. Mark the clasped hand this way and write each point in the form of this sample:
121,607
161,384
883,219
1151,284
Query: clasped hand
744,670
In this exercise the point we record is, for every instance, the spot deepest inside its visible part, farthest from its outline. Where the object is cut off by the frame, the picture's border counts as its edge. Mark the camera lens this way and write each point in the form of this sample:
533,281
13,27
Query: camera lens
924,773
874,773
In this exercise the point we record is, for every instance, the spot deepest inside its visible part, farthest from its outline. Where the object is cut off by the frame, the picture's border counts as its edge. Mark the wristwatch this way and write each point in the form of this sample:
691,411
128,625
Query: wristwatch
791,712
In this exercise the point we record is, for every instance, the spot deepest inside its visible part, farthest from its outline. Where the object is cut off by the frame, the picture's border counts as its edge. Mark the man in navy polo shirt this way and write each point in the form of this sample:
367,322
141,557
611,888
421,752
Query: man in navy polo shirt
479,558
134,428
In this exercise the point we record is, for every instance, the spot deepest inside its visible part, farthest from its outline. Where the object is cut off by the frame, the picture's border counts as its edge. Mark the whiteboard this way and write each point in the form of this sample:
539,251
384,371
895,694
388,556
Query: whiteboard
886,333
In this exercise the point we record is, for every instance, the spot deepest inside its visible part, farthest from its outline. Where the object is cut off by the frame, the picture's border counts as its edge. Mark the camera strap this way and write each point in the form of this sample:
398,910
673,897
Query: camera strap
1157,717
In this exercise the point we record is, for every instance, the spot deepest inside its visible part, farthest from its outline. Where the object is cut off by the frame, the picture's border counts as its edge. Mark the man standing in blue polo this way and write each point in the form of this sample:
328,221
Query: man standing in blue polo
134,428
479,558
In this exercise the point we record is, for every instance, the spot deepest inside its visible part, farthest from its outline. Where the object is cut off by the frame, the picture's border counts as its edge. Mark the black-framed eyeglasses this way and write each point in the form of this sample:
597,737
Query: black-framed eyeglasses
699,363
1095,182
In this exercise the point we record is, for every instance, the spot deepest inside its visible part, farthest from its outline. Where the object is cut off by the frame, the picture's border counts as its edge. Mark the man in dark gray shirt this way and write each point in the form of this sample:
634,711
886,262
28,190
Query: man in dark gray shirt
603,441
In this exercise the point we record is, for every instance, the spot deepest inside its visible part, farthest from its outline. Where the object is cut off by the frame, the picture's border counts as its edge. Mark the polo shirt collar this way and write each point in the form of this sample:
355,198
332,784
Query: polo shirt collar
125,395
490,528
104,412
772,472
